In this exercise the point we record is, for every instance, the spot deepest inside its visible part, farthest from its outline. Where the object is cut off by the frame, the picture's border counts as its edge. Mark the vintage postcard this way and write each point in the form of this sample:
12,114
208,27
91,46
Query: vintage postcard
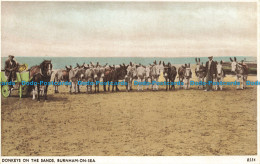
129,82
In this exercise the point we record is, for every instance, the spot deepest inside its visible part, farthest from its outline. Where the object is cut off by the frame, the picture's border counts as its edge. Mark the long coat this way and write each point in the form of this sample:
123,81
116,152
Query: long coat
213,68
11,66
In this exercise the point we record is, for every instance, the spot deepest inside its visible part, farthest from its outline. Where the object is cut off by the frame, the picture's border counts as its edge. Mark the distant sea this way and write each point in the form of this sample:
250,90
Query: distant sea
61,62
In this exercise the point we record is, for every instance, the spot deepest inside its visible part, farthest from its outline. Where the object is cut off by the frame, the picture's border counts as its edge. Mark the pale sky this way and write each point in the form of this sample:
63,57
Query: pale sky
129,29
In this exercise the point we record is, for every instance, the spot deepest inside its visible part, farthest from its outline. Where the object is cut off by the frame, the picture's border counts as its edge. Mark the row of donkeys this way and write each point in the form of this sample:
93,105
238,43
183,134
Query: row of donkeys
107,73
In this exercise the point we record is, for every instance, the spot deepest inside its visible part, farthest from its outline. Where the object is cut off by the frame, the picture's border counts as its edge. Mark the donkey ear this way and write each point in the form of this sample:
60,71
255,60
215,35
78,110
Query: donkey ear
163,63
160,62
231,59
169,64
221,62
235,59
154,62
131,64
185,65
196,59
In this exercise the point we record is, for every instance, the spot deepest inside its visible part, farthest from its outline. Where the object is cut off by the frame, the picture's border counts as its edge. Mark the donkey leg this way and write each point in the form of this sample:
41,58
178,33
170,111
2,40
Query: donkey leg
42,90
166,84
55,89
221,86
104,87
117,86
126,86
78,88
38,91
238,81
138,86
113,86
242,86
142,80
45,92
157,86
245,79
72,87
33,92
180,83
75,90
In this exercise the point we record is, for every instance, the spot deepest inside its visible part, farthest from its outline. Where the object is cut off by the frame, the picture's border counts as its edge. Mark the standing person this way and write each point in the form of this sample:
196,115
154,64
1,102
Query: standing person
11,67
211,70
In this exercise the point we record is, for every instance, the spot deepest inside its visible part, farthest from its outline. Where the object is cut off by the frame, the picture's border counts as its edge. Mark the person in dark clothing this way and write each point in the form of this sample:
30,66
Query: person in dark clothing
11,67
211,71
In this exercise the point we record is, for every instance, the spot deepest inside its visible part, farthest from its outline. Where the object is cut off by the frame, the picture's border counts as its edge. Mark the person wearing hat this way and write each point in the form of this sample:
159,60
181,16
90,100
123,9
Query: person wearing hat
211,71
11,67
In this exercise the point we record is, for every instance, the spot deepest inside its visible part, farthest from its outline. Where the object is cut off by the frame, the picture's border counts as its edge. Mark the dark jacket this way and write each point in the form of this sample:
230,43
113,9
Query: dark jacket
213,68
11,66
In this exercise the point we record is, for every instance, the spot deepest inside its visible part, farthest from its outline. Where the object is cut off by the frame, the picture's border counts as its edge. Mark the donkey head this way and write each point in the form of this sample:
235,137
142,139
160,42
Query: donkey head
198,65
233,64
46,67
219,68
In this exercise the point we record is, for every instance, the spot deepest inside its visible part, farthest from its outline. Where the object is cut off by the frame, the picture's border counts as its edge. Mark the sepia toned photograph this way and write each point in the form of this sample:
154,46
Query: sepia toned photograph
128,79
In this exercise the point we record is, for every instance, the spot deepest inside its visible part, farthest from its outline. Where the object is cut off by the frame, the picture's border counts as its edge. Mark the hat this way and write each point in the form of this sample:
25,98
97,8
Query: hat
210,57
11,56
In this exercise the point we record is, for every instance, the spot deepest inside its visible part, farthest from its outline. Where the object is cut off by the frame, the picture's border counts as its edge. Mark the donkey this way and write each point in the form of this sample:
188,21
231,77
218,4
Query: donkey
169,73
220,75
141,75
200,72
131,74
89,77
156,71
148,75
114,74
184,76
61,75
241,71
99,73
40,74
76,74
119,73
